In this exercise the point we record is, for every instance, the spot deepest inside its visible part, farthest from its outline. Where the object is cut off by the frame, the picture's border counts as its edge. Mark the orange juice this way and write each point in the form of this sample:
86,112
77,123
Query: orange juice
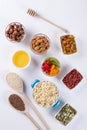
21,59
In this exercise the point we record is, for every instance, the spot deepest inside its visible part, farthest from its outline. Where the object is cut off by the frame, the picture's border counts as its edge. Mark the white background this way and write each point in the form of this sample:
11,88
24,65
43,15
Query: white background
70,14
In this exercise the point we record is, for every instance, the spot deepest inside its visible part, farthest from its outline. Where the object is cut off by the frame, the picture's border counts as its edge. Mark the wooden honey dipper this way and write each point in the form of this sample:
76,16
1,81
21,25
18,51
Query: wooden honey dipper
35,14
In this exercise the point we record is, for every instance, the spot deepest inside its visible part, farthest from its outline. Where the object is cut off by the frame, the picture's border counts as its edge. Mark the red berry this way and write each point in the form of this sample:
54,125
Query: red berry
43,68
46,66
47,71
48,62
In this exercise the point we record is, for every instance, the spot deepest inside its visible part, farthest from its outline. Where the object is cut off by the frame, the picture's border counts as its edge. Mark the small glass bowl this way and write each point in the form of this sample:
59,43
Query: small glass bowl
72,78
68,44
15,32
65,114
51,66
40,43
21,59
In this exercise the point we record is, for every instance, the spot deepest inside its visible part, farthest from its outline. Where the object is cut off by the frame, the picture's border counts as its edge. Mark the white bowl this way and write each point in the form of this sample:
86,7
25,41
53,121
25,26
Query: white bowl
18,59
40,34
14,41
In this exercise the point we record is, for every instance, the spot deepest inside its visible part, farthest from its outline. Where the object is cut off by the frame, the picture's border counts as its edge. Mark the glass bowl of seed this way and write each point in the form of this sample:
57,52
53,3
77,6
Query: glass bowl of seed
65,114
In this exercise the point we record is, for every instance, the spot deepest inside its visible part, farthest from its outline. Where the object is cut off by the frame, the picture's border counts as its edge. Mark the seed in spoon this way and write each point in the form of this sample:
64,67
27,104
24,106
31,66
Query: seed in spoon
14,81
17,102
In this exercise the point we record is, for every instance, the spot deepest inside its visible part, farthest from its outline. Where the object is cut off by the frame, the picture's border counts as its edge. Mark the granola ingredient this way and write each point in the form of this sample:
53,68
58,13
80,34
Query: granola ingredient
15,32
72,78
68,44
15,81
40,44
66,114
45,93
17,102
54,70
46,66
51,66
53,61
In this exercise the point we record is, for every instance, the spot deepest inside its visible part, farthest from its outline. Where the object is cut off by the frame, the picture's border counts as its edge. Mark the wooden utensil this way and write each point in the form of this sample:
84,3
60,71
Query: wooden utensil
16,83
33,13
17,103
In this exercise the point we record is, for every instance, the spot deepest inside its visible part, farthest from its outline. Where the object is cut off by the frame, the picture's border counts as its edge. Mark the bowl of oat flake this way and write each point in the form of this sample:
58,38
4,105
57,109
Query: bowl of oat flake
45,93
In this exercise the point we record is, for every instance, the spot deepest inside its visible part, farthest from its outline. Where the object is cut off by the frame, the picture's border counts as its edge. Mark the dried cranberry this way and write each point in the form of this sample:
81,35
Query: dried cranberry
72,78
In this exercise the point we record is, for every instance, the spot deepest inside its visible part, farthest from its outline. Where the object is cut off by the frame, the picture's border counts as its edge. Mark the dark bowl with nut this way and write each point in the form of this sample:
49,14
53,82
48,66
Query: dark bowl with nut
40,43
15,32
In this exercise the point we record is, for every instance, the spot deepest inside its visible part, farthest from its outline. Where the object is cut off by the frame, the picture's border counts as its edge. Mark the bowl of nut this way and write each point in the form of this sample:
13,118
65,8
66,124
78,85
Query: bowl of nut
40,43
51,66
15,32
45,93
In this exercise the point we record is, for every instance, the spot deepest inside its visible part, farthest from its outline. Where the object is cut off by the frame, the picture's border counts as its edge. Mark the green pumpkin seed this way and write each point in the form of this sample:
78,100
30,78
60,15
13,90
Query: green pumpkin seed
66,114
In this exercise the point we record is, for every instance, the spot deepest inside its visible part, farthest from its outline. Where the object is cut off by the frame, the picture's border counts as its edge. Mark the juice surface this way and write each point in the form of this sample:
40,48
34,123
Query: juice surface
21,59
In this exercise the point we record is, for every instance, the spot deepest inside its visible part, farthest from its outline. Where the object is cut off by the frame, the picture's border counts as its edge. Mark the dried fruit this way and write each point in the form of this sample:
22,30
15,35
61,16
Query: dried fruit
46,66
68,44
51,66
72,78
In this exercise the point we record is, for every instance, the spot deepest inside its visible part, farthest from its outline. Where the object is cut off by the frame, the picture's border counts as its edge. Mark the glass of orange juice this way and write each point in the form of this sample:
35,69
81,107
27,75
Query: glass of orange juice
21,59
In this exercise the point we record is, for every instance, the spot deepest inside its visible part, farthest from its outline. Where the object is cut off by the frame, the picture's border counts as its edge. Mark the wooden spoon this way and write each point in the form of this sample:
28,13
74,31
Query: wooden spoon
19,105
16,83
